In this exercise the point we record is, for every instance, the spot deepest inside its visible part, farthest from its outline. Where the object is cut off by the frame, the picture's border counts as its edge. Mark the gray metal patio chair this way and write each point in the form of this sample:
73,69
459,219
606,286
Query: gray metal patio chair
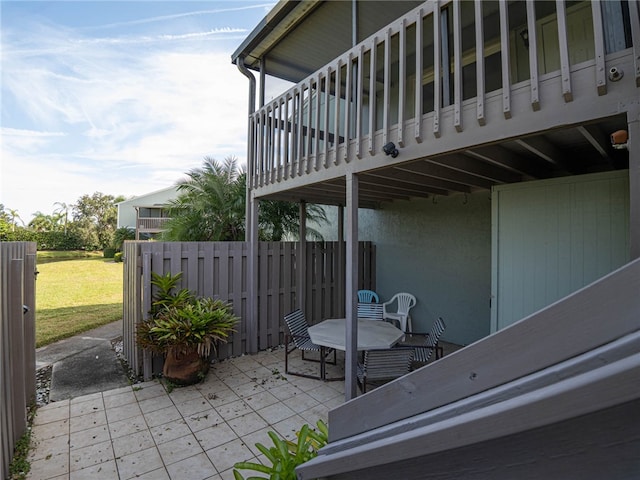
426,344
380,366
299,336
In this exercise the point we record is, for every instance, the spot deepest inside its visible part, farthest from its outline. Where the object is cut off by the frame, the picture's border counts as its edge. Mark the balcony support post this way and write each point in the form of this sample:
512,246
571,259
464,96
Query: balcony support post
633,144
351,288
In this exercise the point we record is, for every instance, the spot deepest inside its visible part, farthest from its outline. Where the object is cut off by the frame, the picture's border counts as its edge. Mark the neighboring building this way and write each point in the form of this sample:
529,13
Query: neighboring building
146,213
473,143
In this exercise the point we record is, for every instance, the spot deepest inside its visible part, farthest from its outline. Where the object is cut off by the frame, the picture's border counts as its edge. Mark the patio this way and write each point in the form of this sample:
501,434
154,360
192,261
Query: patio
193,433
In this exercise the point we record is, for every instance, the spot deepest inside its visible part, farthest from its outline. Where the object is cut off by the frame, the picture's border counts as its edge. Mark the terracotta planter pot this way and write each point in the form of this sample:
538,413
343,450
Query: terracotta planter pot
184,368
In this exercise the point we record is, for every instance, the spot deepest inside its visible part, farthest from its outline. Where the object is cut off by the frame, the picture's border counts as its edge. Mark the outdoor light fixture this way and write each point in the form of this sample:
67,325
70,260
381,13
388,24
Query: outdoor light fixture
390,149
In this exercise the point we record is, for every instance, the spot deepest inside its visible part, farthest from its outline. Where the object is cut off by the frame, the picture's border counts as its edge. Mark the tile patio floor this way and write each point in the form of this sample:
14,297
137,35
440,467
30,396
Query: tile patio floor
192,433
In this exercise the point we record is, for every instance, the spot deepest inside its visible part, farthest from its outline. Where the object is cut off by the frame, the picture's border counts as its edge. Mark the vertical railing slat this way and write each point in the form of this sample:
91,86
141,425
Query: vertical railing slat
287,138
386,107
437,52
457,59
480,87
506,65
359,102
402,80
372,94
309,142
263,146
419,62
598,40
316,136
533,55
565,67
327,102
273,135
300,129
347,106
634,17
337,116
279,165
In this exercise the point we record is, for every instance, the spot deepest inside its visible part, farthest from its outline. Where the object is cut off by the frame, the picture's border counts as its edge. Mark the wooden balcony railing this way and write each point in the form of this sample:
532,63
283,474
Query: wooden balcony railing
471,58
147,224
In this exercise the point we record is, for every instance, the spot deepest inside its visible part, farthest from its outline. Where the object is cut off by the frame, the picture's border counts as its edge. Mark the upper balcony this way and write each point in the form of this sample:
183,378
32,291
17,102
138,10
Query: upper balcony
471,94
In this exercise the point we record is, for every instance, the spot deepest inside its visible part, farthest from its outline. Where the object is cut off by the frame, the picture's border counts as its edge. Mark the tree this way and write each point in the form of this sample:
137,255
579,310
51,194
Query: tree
211,207
12,218
120,235
42,222
95,218
63,213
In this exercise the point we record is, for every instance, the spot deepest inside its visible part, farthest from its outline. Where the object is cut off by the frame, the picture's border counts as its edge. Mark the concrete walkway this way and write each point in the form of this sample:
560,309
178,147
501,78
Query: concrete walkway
145,431
84,364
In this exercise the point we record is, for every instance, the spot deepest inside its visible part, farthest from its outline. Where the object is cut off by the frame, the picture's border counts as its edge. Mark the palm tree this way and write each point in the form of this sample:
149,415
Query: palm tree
42,222
279,221
13,217
211,207
63,212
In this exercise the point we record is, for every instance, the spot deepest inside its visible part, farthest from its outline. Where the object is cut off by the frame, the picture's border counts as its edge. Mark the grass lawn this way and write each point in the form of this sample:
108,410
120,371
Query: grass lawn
75,295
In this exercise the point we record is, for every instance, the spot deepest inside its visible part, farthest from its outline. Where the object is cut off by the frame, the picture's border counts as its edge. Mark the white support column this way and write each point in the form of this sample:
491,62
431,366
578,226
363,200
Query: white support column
633,144
341,256
302,255
252,272
351,288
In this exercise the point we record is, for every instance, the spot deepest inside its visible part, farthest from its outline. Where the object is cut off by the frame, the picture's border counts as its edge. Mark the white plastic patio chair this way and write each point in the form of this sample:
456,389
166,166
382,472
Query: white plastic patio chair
404,301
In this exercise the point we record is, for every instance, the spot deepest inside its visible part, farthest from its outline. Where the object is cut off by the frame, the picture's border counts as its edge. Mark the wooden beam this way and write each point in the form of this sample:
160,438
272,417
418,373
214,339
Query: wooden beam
502,157
598,140
425,181
411,182
473,166
446,173
545,150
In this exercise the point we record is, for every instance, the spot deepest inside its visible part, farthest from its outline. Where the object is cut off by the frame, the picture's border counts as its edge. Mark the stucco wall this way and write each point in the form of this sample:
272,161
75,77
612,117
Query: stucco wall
438,250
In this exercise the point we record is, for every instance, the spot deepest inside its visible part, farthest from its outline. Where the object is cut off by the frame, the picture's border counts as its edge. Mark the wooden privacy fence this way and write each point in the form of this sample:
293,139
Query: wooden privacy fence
219,270
17,343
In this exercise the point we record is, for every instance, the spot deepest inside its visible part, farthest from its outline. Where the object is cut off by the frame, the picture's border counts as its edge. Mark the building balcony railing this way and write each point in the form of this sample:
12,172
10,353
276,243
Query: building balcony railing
442,69
155,224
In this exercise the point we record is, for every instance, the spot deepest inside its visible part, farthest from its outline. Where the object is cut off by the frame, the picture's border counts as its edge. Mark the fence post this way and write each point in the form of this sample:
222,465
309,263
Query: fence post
16,348
29,298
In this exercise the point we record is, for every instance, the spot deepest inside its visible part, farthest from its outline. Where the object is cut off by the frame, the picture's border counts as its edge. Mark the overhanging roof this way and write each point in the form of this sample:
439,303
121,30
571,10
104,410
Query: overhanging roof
295,44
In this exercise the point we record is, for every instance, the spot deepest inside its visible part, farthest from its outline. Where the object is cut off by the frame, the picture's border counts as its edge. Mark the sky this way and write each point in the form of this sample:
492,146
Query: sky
116,97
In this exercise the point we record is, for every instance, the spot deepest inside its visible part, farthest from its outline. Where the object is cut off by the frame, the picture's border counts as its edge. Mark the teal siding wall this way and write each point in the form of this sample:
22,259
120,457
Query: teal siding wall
552,237
438,250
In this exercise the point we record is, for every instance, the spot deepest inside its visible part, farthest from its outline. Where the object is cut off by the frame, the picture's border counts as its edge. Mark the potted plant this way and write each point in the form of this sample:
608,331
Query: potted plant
185,329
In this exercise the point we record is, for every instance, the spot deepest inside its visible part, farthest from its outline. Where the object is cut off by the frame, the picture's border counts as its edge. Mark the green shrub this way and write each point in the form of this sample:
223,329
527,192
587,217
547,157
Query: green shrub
109,252
285,455
118,257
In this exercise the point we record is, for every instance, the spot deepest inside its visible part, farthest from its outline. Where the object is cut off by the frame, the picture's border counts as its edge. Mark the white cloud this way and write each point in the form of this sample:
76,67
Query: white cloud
119,117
